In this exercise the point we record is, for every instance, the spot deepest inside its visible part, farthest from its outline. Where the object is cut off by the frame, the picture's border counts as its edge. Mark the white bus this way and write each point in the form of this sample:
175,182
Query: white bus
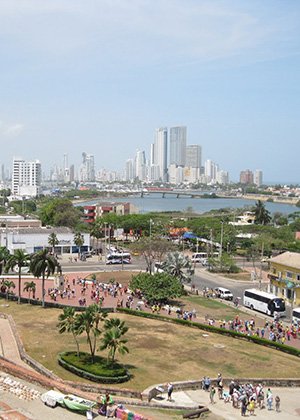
296,316
264,302
119,258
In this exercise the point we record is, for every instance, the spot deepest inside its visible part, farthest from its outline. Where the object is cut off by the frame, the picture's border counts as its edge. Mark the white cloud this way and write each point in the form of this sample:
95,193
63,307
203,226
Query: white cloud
10,130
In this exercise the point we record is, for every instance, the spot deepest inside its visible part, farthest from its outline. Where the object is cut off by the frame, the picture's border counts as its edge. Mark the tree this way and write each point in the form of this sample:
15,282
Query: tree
79,241
53,241
262,215
159,287
20,259
112,340
153,249
178,265
67,323
88,322
4,255
30,287
60,212
6,285
43,265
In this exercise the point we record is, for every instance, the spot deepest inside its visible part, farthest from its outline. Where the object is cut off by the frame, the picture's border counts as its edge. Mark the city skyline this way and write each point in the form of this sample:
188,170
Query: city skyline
107,76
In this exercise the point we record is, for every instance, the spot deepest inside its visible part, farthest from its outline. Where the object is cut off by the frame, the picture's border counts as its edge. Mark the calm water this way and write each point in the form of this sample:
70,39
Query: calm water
155,202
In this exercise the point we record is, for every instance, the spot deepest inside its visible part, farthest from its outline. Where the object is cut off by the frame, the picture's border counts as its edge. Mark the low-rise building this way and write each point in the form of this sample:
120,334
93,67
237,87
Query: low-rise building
284,276
92,212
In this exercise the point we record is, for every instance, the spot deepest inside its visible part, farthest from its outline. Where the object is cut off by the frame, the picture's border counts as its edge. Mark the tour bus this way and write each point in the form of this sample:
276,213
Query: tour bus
200,257
264,302
119,258
296,316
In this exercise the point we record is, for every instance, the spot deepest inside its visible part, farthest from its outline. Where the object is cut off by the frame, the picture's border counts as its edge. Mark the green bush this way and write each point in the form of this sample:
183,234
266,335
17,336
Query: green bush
98,371
223,331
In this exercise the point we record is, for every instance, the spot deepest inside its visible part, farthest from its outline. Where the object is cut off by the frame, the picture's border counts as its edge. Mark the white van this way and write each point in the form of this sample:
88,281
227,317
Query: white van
223,293
200,257
296,316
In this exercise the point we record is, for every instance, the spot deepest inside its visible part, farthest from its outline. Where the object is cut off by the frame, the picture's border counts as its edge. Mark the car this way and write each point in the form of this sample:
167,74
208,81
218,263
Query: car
223,293
86,254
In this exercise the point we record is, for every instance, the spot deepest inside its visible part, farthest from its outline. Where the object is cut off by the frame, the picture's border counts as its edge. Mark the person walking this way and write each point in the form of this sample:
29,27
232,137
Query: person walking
212,395
277,404
269,399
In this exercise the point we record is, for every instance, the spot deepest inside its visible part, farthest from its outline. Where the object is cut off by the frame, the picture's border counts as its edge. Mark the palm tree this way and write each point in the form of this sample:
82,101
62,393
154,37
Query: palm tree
4,255
116,322
6,285
178,265
79,241
262,215
67,323
43,265
53,241
20,259
88,322
113,341
29,287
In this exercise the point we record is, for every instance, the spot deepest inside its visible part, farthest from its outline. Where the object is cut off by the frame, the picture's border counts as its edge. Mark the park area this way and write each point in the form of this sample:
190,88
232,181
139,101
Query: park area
158,351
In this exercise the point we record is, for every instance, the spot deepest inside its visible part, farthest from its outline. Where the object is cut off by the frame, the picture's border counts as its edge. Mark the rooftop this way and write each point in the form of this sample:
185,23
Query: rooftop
291,259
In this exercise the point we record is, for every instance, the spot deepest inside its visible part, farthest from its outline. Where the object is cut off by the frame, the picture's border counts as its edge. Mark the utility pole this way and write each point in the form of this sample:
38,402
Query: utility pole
105,250
221,242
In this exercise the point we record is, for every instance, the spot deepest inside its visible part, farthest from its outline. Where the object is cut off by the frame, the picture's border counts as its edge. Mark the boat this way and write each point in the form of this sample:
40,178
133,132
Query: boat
74,403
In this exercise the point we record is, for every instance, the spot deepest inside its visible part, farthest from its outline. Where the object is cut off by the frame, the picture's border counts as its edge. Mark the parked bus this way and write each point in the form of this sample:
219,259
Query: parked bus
119,258
264,302
296,316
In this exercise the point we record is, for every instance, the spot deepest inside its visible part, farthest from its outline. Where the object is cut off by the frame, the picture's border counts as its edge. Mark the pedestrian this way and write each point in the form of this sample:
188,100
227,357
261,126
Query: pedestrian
170,390
277,403
212,395
244,403
269,399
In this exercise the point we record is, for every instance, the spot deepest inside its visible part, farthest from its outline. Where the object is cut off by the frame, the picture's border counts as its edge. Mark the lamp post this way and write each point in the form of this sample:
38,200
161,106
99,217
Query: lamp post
105,250
150,228
221,242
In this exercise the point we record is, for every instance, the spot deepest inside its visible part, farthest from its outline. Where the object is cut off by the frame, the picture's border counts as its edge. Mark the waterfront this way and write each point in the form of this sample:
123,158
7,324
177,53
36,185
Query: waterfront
155,203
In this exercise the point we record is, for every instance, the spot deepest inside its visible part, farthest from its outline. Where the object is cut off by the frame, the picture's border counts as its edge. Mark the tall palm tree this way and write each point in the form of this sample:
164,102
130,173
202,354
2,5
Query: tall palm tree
20,259
4,255
178,265
53,241
79,241
43,265
113,341
262,215
67,323
30,287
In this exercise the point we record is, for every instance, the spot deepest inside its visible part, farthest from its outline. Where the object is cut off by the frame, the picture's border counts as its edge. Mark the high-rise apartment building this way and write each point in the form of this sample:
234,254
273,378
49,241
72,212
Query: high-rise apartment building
160,153
178,146
87,168
246,177
26,178
193,156
258,177
140,165
129,170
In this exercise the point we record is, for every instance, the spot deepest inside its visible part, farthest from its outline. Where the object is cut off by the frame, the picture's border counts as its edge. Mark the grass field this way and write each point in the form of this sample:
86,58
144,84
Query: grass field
159,351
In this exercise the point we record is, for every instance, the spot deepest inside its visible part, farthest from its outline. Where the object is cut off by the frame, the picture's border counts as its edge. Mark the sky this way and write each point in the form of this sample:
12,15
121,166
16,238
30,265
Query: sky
98,76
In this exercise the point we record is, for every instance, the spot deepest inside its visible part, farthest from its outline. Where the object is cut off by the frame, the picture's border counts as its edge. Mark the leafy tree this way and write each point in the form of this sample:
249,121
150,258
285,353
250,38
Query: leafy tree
153,249
43,265
67,323
79,241
4,256
262,215
178,265
112,340
225,264
159,287
88,322
30,287
60,212
53,241
20,259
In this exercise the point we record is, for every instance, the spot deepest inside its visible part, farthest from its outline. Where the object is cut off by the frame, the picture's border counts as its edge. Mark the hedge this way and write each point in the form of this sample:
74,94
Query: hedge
106,376
223,331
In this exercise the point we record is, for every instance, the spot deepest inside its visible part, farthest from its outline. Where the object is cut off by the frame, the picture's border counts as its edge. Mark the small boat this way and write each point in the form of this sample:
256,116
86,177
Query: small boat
77,403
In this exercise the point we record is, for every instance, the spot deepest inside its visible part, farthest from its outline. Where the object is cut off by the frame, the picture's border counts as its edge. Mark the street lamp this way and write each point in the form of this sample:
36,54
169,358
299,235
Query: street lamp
150,226
105,250
222,233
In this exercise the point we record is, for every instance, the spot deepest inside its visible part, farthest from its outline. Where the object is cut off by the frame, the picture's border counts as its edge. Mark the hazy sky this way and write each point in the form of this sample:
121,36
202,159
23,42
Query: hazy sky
100,75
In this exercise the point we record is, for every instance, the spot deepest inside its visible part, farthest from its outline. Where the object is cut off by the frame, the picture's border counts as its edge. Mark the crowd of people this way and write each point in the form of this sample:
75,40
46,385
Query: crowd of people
246,397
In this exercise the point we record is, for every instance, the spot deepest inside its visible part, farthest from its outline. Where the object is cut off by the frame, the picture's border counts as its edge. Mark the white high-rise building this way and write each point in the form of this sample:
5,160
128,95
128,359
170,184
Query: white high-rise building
140,165
129,170
210,171
258,177
160,153
178,146
87,168
193,156
26,178
222,177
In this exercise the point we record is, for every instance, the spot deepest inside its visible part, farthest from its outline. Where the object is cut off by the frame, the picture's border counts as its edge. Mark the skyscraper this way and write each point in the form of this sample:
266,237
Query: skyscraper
26,178
178,146
258,177
160,153
129,170
193,156
87,168
246,177
140,165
